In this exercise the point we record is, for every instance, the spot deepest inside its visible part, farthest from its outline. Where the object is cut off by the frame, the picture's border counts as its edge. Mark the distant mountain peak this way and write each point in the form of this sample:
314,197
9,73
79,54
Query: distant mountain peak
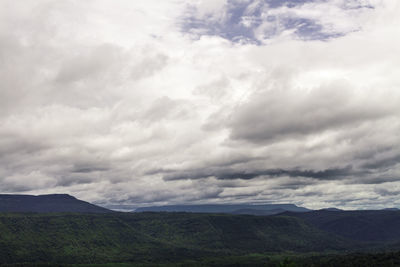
47,203
37,196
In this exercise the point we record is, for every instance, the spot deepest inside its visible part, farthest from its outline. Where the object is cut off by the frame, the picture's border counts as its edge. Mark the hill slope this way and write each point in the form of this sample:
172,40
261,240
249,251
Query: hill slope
152,237
47,203
367,225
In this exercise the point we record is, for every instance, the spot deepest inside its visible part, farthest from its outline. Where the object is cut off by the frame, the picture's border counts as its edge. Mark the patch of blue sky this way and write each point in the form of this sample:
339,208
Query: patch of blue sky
242,20
288,3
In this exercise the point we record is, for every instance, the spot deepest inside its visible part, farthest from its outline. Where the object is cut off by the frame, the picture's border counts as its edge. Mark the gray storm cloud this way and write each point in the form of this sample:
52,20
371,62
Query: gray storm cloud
141,103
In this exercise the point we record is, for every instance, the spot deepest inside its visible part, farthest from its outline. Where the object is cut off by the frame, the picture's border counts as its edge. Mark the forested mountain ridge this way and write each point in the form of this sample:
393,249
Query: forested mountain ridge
139,237
41,230
47,203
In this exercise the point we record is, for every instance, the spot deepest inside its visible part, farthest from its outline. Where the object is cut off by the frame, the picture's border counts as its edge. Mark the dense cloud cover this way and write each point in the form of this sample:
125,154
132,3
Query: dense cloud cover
129,103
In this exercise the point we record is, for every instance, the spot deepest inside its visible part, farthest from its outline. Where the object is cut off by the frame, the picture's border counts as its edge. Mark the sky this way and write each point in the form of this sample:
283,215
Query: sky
134,103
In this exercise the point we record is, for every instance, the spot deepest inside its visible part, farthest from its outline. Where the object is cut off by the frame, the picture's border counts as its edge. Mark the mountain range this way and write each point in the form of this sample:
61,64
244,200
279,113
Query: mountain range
60,229
249,209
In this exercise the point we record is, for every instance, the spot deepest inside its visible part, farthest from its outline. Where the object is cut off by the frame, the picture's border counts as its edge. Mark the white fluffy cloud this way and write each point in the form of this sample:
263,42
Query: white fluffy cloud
117,103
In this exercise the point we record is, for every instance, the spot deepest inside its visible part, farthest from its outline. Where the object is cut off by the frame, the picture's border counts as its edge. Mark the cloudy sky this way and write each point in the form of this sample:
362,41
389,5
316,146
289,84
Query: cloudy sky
146,102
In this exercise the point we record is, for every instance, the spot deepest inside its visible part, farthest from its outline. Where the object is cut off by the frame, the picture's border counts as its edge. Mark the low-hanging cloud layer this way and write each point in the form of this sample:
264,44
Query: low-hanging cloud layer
131,103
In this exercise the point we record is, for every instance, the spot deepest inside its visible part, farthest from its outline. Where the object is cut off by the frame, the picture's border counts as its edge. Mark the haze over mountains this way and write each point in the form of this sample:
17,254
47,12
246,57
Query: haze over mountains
68,203
267,209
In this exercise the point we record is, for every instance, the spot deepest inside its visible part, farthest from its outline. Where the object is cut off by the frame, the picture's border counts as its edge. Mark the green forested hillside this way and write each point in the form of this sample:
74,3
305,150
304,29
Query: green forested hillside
361,225
153,237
